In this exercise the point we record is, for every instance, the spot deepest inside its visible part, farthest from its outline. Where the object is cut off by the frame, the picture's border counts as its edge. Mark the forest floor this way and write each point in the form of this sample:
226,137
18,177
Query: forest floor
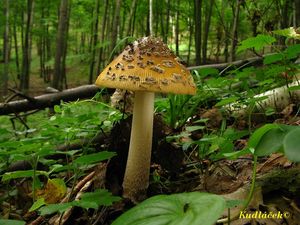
176,171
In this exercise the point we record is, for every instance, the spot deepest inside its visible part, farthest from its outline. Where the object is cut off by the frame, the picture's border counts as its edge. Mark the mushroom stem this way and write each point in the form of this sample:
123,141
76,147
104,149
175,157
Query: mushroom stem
136,178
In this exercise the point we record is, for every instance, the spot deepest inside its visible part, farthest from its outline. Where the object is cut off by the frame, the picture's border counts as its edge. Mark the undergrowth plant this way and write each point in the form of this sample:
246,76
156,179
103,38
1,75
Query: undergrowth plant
35,143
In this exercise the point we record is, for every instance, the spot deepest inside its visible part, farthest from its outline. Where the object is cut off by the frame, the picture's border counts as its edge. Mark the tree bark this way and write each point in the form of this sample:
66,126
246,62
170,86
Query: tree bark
198,32
206,29
60,45
116,21
177,29
95,40
15,37
103,30
24,84
297,10
234,40
150,17
130,19
6,49
165,38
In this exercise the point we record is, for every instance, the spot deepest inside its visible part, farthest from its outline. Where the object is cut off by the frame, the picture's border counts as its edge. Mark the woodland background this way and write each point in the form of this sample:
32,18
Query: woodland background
66,43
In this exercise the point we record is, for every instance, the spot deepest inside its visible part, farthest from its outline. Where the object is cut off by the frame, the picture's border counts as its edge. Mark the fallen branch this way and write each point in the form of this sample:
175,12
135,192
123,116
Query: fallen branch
49,100
88,91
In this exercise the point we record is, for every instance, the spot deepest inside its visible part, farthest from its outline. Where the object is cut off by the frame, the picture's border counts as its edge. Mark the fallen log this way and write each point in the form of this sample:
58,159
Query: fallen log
88,91
48,100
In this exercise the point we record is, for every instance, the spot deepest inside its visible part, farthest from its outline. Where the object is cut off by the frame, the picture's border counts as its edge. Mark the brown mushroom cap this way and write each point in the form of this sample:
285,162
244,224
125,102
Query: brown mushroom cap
147,65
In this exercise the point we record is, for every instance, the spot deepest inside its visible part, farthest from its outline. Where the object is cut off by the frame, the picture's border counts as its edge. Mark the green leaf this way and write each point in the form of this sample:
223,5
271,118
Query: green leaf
204,72
294,88
288,32
227,101
22,173
292,51
177,209
94,158
257,42
270,142
272,58
12,222
37,204
194,128
100,197
291,145
52,208
258,134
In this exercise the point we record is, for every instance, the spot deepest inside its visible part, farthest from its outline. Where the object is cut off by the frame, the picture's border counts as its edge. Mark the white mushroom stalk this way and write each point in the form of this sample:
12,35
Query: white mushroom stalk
136,178
145,67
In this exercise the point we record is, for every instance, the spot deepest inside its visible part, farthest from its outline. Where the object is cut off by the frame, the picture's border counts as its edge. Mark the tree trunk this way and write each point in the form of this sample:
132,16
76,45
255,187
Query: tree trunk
116,21
103,30
6,50
191,28
234,40
167,21
95,40
60,45
24,84
150,17
198,32
16,45
206,29
297,10
130,19
177,29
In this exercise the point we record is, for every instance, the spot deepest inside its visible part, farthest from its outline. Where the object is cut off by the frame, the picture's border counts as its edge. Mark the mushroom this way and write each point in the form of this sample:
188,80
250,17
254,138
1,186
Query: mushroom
164,74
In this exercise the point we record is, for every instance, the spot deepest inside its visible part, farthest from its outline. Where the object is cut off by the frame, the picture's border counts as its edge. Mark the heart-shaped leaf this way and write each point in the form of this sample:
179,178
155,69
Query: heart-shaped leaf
291,145
177,209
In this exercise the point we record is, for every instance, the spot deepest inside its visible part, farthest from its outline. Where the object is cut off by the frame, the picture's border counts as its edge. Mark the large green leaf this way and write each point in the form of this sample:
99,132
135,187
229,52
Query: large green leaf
21,174
258,134
100,197
12,222
178,209
291,144
257,42
94,158
270,142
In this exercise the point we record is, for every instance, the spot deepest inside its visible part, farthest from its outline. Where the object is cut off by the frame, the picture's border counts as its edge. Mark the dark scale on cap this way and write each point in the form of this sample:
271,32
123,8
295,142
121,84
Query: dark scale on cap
130,66
157,69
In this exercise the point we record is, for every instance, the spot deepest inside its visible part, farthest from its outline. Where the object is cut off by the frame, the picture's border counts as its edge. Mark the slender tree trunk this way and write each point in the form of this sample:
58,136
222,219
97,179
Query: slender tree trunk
206,29
103,30
16,46
42,44
116,21
95,40
167,21
47,35
177,29
297,11
60,45
130,19
234,40
150,17
198,27
6,49
191,28
24,85
65,49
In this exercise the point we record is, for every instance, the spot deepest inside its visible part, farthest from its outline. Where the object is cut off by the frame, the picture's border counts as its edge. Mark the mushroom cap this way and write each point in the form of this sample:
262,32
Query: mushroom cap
147,65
